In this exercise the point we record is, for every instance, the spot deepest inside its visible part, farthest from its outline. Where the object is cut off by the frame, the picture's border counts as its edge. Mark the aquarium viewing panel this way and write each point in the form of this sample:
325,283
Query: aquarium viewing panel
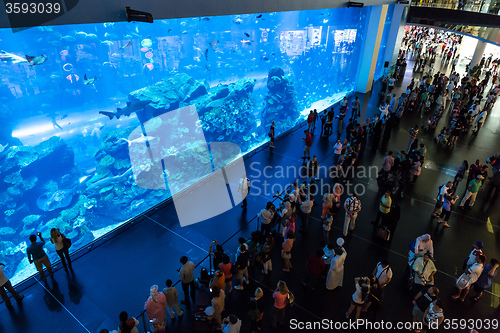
78,101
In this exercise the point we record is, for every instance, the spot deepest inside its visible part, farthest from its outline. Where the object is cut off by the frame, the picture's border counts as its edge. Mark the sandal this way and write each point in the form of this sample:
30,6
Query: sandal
440,221
446,225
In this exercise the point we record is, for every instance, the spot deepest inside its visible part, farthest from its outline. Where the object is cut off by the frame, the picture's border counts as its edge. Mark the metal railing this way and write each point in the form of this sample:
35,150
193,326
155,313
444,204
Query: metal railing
478,6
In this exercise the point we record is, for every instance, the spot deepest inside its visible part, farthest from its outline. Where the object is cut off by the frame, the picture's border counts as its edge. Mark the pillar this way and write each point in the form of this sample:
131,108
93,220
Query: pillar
478,53
396,33
371,47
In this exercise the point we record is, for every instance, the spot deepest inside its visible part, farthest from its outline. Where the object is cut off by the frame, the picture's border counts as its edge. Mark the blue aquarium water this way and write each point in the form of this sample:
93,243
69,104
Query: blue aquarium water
74,101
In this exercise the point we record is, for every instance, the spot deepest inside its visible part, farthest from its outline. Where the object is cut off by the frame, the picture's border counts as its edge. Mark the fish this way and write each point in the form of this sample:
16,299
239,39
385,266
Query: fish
9,57
64,116
126,45
169,30
2,148
141,139
244,41
52,201
109,35
247,34
36,60
205,19
107,42
68,38
128,36
81,33
54,43
93,36
265,58
126,111
214,43
109,180
108,24
206,54
237,21
89,81
259,16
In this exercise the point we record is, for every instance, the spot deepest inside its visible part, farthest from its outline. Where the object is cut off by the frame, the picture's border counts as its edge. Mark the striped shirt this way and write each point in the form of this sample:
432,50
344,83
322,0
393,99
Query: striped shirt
352,204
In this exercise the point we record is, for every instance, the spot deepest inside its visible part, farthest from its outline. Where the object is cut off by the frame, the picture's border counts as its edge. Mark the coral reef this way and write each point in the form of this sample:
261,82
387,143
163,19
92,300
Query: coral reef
280,101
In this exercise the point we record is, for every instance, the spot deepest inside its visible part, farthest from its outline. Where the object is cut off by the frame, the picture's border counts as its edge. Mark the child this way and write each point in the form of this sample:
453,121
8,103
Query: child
172,300
266,253
327,225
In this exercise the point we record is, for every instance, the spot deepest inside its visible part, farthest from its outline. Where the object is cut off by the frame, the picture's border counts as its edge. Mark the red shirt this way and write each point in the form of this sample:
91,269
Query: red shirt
315,265
279,300
309,141
310,118
226,269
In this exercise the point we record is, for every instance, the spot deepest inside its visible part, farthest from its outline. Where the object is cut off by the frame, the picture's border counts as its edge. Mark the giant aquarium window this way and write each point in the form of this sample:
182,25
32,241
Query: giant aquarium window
72,96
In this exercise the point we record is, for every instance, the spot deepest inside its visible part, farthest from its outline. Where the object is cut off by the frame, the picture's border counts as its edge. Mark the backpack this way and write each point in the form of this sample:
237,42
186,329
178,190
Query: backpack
290,299
412,245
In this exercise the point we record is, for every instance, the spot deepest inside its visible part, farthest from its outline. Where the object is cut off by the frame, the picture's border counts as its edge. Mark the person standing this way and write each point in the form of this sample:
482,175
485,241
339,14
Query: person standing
271,135
305,211
335,276
242,265
267,216
37,255
443,189
327,202
434,315
218,303
337,152
359,296
244,188
310,120
327,226
485,279
472,189
425,270
356,106
315,265
187,279
155,307
225,267
308,144
384,209
383,273
449,201
286,252
413,135
422,300
56,238
127,325
6,285
257,310
387,164
471,275
352,206
280,301
171,296
231,324
312,168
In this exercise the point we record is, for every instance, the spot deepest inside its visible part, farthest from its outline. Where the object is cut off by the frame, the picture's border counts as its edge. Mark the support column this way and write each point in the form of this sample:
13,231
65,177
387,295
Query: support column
396,34
368,62
478,53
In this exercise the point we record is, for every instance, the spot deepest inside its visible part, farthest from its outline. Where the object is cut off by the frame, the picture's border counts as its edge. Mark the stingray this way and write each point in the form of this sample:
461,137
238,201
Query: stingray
52,201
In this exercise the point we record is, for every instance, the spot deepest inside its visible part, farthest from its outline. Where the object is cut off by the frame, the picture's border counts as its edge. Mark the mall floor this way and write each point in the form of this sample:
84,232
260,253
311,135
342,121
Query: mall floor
116,274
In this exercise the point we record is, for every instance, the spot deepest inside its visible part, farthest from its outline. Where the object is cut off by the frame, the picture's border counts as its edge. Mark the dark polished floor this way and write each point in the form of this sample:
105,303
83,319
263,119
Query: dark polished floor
116,274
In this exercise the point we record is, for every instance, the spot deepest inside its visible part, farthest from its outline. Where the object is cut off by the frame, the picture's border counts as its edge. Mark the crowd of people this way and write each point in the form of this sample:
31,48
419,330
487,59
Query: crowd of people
465,101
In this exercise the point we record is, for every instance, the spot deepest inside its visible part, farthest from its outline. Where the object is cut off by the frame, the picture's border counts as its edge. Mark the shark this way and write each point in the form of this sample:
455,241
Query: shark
2,148
126,111
126,45
89,81
109,180
36,60
9,57
142,138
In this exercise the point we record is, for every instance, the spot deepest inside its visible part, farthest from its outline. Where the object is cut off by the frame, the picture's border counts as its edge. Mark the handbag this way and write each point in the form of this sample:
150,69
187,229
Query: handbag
463,281
286,255
384,233
67,243
290,299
